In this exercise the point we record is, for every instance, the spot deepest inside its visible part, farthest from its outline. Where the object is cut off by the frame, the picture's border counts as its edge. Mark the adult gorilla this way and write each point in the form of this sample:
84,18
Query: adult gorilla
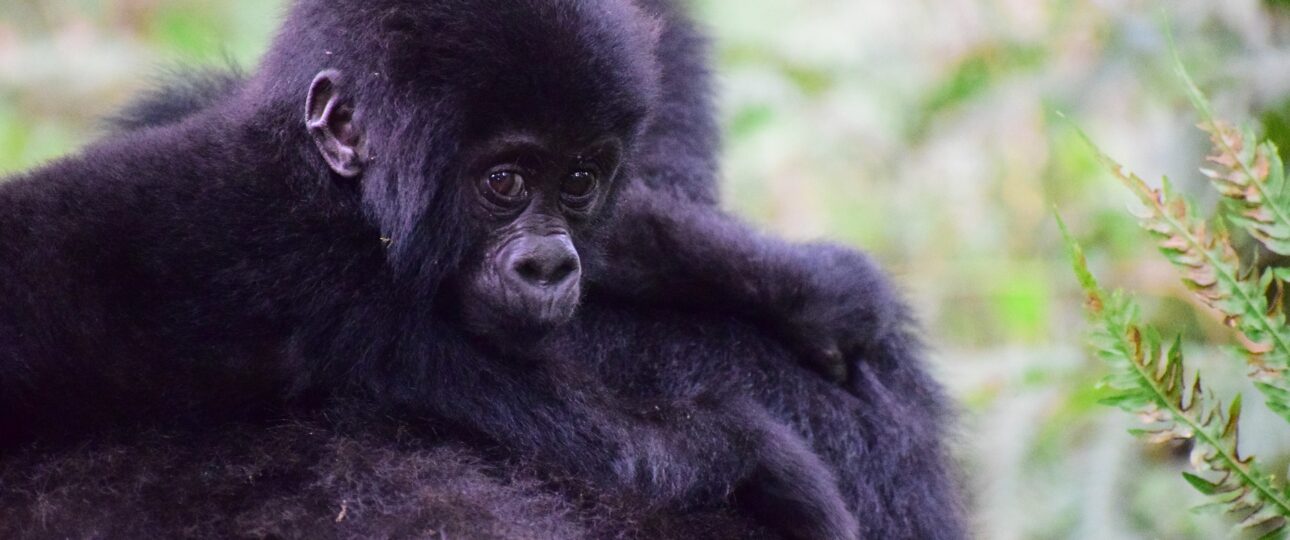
683,410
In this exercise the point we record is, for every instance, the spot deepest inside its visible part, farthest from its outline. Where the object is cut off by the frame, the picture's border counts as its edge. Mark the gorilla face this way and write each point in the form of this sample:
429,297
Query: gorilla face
540,198
524,162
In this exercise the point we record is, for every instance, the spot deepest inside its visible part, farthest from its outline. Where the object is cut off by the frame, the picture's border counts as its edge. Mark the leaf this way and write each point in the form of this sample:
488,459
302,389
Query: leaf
1212,270
1202,485
1149,379
1248,173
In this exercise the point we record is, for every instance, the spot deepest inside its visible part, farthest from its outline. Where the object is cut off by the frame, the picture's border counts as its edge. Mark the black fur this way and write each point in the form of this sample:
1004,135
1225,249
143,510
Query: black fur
348,476
177,94
241,278
884,444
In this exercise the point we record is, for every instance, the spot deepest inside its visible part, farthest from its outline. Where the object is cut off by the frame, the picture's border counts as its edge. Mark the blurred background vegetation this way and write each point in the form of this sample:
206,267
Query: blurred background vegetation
923,131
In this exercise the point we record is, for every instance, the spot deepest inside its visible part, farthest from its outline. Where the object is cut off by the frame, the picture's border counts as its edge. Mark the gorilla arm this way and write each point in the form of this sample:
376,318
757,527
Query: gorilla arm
831,303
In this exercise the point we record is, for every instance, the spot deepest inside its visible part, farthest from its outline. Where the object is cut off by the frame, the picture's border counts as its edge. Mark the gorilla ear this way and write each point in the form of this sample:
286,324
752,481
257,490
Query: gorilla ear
329,115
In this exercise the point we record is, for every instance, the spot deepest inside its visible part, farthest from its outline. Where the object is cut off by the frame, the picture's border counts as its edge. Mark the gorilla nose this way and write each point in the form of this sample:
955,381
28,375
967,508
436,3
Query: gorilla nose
548,261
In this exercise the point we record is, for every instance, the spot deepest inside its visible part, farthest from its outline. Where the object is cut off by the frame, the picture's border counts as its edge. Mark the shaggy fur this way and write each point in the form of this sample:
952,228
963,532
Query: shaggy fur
347,476
243,279
884,442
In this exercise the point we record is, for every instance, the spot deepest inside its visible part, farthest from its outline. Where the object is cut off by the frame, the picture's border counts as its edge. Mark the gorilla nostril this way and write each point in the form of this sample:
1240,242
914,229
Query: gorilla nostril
543,262
563,270
530,270
546,271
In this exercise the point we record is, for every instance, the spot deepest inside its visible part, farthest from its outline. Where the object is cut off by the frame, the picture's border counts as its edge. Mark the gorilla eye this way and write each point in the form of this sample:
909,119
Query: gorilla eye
507,184
580,184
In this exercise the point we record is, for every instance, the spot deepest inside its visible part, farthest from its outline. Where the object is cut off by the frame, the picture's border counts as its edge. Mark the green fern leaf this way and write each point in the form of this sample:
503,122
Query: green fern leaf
1249,174
1212,270
1148,378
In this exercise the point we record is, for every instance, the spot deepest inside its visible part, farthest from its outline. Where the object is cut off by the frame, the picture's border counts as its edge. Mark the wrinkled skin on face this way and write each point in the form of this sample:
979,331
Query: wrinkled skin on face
539,199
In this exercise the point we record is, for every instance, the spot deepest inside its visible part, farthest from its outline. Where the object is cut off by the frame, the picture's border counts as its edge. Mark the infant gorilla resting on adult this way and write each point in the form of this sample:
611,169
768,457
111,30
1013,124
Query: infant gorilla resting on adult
402,266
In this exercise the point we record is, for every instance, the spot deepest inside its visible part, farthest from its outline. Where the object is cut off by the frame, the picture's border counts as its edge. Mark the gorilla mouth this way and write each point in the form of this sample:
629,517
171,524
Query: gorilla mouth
558,308
494,303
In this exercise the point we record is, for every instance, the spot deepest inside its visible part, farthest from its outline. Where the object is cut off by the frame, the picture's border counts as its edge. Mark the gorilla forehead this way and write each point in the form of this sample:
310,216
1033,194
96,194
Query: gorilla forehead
545,63
527,62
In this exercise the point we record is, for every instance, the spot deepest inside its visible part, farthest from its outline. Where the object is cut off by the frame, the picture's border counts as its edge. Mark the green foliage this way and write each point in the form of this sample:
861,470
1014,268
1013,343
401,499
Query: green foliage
1148,378
1212,270
1250,175
1022,306
974,75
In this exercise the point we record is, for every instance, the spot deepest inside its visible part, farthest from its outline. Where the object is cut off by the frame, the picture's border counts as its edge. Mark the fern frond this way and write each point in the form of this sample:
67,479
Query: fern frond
1252,180
1249,174
1148,379
1212,270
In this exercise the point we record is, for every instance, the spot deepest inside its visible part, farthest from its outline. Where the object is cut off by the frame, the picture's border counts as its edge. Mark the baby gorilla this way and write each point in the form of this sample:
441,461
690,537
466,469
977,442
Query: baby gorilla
884,442
438,208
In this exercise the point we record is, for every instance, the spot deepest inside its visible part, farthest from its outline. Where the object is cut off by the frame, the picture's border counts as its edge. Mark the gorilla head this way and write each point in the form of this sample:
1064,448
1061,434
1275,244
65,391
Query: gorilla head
486,138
